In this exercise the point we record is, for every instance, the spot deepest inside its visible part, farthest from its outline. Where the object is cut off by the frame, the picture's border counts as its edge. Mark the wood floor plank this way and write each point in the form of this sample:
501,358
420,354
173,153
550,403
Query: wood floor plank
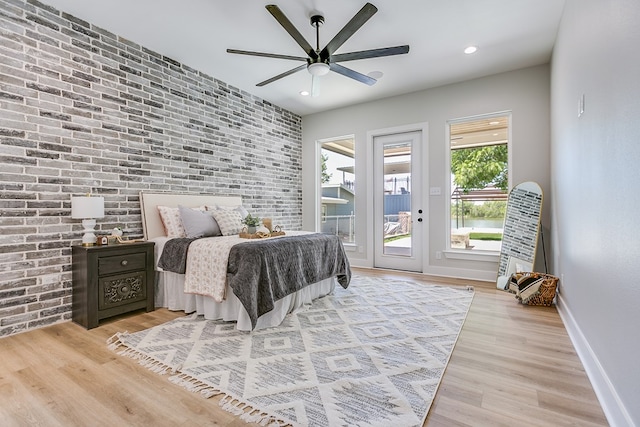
512,365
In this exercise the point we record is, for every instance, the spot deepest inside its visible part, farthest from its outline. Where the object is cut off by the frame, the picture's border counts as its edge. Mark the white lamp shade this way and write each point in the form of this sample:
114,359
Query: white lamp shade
83,207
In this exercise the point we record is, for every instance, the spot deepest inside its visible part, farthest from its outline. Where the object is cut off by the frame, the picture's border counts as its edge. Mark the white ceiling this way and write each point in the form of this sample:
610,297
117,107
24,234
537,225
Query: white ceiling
510,34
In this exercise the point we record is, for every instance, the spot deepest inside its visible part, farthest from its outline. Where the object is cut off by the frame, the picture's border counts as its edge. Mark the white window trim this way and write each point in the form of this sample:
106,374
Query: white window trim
478,255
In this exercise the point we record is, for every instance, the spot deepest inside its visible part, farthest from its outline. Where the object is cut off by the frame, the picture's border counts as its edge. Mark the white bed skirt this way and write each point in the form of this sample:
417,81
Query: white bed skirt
170,294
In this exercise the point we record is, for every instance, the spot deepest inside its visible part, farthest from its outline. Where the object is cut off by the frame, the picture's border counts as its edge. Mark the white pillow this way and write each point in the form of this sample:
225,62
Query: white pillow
230,221
172,223
198,223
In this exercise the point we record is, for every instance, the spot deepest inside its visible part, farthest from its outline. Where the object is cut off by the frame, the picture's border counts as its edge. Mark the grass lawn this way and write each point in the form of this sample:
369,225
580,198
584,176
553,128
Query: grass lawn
485,236
397,237
472,236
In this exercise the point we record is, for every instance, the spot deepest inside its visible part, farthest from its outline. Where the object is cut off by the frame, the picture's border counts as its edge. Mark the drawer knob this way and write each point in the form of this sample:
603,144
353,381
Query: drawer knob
124,262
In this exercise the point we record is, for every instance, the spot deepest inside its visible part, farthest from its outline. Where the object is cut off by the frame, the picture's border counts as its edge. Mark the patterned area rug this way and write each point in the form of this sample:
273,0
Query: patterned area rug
370,355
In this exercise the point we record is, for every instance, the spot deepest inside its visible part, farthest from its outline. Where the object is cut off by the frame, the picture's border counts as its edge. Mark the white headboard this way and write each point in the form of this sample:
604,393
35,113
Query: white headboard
151,222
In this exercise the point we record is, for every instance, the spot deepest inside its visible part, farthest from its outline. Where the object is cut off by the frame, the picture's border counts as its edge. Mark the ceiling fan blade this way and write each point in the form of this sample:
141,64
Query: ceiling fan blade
285,74
315,86
293,31
352,74
267,55
373,53
367,11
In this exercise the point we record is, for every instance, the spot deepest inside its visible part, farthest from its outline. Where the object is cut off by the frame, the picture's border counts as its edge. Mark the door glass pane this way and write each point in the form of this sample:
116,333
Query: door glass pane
397,199
479,182
337,157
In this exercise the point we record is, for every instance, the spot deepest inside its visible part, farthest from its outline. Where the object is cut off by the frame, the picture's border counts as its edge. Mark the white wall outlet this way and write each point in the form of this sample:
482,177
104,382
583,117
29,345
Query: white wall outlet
438,254
435,191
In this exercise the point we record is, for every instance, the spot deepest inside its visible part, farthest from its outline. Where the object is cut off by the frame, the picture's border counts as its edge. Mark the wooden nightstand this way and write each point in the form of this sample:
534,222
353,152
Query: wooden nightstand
111,280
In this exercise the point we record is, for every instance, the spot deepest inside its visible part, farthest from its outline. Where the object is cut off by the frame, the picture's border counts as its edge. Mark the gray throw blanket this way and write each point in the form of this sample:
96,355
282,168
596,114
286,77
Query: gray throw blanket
174,255
262,272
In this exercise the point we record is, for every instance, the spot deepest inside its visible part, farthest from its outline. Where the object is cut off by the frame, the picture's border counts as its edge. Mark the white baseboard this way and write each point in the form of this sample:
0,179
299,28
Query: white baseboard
462,273
452,273
613,408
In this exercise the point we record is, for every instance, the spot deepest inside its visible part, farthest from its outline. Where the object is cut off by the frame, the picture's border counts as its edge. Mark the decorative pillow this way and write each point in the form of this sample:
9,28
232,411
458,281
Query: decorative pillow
230,221
198,223
525,285
241,209
172,223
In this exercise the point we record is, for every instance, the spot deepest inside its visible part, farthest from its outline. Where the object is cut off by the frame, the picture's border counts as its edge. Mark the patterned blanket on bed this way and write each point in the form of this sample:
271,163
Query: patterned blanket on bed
260,271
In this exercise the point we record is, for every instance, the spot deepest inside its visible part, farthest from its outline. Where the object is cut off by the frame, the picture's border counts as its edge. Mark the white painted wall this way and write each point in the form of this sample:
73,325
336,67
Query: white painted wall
524,92
595,204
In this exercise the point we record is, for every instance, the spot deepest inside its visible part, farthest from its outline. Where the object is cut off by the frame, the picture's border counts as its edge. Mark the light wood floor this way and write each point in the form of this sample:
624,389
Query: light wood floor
512,365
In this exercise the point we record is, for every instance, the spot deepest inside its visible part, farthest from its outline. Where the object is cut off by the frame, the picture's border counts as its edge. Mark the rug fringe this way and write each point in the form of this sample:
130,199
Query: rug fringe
228,402
116,342
248,413
194,385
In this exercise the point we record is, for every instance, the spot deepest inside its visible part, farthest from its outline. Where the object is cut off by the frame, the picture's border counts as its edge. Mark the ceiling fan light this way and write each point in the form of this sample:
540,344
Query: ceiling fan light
318,69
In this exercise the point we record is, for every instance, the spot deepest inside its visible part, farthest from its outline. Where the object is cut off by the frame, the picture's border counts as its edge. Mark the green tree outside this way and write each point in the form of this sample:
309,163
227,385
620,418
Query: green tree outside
477,167
474,169
323,167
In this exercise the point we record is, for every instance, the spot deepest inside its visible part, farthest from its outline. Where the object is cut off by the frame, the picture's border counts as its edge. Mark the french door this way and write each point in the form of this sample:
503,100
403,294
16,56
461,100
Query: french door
399,213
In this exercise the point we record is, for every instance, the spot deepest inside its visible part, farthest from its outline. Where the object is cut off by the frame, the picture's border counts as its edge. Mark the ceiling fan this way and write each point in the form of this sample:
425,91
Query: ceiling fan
320,61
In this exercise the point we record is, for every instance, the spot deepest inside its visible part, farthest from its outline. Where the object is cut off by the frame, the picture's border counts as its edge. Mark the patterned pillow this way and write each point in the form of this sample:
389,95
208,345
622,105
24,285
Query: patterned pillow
243,211
229,221
172,222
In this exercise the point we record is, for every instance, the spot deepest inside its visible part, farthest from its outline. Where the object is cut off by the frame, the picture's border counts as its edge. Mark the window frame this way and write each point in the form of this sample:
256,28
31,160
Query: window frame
477,254
321,208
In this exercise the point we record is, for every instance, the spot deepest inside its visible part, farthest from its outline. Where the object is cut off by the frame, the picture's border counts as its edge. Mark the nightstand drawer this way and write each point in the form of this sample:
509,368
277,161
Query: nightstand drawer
114,291
121,263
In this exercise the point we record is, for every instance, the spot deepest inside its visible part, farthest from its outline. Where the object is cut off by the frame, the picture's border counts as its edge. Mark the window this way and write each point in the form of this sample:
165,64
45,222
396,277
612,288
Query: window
479,181
337,183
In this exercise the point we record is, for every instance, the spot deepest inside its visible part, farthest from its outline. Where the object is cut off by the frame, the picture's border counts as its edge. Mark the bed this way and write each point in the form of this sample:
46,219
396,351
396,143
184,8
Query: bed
174,290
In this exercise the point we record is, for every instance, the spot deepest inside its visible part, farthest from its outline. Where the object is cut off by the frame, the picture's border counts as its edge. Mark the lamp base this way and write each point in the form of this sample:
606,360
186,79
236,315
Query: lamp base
89,238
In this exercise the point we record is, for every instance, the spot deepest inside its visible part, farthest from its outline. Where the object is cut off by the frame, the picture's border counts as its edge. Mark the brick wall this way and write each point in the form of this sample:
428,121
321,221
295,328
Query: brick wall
83,110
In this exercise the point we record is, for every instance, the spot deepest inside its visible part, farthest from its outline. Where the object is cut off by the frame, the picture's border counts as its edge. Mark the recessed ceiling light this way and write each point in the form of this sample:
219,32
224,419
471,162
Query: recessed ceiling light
304,92
470,49
376,74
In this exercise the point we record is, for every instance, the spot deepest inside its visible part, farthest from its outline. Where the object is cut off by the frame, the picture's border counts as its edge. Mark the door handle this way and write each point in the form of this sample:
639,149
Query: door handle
419,219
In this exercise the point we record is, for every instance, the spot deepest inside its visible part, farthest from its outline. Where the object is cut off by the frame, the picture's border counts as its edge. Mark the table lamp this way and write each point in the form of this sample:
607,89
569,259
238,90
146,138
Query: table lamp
87,208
